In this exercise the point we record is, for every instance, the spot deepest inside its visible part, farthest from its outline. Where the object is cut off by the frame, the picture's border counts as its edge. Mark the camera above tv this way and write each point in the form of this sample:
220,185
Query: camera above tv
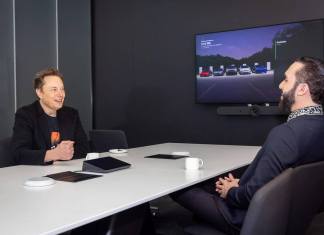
245,66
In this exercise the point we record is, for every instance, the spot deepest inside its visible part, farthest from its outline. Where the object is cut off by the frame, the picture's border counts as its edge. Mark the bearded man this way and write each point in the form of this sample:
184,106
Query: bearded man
295,142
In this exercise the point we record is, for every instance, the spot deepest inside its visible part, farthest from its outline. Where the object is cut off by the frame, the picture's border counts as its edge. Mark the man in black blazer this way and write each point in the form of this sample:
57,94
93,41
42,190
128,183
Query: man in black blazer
46,131
296,142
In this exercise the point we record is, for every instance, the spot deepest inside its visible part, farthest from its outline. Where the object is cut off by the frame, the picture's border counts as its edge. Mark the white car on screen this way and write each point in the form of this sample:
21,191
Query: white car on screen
231,70
244,69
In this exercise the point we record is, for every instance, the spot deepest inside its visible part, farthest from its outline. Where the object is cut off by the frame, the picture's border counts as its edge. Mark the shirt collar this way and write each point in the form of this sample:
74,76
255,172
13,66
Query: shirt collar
310,110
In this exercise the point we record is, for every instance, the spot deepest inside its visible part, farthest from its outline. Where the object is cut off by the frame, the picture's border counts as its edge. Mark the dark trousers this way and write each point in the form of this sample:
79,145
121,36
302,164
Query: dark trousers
203,201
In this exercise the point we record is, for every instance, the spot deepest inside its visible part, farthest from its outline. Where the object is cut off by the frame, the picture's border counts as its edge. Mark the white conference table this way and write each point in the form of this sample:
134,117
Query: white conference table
65,205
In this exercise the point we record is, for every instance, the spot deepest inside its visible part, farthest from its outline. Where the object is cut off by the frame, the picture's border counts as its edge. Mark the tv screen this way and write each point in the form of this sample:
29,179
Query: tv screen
247,65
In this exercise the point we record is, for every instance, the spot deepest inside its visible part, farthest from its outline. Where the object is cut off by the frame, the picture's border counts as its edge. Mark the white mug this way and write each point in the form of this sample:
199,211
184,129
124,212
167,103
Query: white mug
92,156
193,163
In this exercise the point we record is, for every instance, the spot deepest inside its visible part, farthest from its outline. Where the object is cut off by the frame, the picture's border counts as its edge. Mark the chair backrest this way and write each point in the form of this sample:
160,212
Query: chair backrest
103,140
269,208
6,158
307,196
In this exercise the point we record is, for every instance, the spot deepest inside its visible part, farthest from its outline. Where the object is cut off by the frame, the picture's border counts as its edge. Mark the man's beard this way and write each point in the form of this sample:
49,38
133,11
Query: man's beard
288,99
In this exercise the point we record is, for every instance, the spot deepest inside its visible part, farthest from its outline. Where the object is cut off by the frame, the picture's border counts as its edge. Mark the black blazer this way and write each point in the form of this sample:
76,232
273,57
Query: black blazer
31,137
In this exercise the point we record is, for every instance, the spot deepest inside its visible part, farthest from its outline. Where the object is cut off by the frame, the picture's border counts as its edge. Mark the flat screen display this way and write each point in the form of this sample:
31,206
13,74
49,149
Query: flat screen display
247,65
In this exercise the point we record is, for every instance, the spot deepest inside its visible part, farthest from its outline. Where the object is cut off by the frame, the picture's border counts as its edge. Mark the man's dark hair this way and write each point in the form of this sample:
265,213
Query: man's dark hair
39,78
312,74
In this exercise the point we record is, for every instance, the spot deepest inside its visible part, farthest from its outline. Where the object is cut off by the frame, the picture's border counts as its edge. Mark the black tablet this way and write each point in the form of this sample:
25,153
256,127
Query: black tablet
104,165
166,156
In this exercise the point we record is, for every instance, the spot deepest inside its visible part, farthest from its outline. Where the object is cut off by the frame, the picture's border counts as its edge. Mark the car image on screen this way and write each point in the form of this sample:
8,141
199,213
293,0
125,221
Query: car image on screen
247,64
260,69
218,72
205,74
231,70
244,69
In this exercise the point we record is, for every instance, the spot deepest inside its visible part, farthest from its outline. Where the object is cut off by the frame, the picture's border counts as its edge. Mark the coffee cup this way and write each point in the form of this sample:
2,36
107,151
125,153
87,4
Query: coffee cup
193,163
91,156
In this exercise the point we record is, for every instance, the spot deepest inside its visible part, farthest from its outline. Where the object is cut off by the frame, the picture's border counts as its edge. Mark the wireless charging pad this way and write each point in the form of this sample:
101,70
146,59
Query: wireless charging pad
39,182
118,150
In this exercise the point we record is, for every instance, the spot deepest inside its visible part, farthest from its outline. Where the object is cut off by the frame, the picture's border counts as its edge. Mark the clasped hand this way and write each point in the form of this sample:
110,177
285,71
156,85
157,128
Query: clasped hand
223,185
63,151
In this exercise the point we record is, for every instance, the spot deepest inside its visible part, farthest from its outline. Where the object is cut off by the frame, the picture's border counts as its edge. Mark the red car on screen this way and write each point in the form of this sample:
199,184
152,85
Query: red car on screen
205,74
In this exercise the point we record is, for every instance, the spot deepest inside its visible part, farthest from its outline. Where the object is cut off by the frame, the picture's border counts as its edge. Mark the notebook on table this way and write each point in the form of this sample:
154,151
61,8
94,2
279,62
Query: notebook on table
70,176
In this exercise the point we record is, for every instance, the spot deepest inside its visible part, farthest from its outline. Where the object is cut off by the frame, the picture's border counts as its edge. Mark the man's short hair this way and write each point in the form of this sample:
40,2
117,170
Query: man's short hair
39,78
312,73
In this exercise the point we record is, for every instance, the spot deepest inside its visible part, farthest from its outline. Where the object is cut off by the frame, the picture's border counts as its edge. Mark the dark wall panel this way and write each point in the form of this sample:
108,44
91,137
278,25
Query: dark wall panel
144,67
7,100
35,44
74,50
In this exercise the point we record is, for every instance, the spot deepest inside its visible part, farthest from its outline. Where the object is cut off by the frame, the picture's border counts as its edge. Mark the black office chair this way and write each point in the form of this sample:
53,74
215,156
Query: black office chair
103,140
307,196
268,211
6,158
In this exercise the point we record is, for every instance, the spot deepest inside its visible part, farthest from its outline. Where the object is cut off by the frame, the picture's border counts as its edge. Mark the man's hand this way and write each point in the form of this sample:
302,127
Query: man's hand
66,150
63,151
231,178
224,185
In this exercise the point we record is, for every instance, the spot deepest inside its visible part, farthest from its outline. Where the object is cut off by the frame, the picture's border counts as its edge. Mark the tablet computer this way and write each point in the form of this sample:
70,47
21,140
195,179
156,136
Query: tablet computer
104,165
166,156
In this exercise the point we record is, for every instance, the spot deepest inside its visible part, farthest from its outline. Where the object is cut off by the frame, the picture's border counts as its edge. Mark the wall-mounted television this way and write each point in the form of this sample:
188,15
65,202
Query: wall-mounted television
245,66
